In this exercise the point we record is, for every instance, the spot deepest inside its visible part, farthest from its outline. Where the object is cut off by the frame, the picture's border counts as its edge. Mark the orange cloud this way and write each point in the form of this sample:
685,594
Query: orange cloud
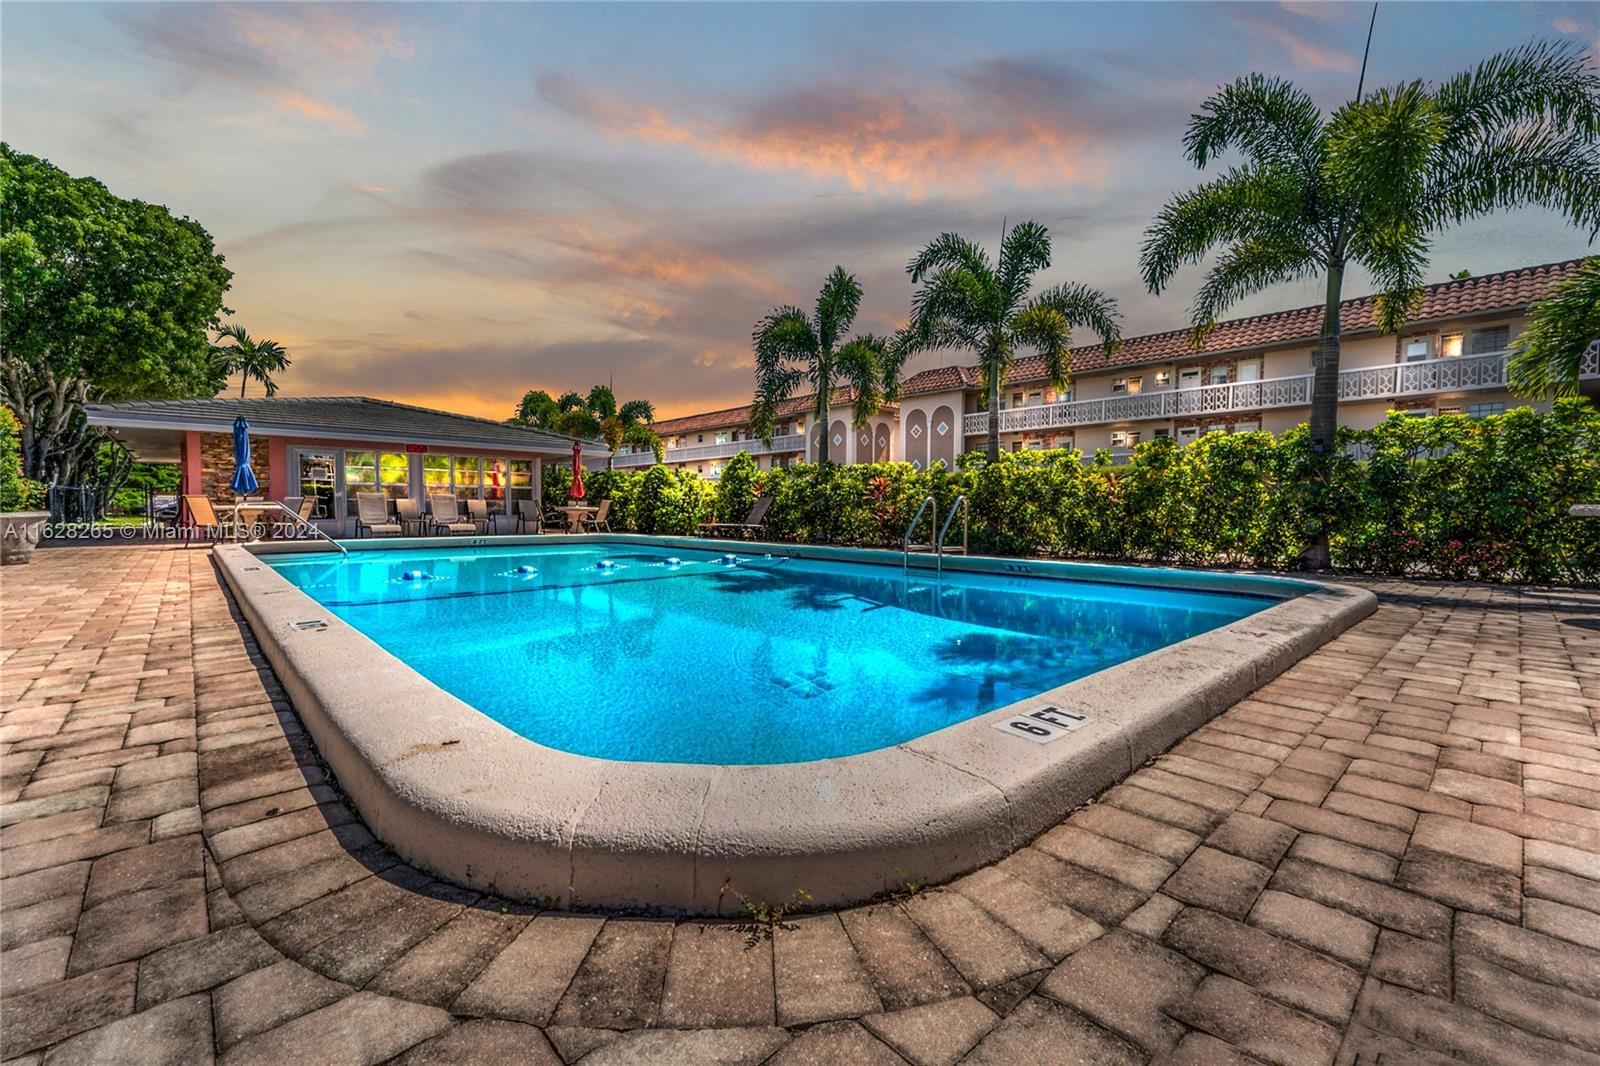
298,103
914,142
1304,52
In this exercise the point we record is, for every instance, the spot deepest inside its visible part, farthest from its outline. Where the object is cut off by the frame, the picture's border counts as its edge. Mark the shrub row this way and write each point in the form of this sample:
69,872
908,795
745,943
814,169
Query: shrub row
1449,496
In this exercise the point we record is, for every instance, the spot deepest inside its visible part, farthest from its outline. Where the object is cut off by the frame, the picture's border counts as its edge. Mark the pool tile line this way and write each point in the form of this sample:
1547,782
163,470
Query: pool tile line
1416,875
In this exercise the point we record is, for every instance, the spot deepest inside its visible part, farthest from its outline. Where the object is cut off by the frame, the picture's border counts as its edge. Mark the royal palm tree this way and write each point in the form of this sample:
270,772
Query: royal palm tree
251,359
1547,359
792,348
968,303
1371,184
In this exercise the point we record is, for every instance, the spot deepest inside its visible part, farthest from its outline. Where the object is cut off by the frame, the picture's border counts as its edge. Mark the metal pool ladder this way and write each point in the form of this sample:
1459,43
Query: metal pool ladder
939,548
906,547
292,513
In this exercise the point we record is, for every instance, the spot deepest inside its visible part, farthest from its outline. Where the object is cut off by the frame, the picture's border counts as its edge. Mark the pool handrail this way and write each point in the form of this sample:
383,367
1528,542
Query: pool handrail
905,541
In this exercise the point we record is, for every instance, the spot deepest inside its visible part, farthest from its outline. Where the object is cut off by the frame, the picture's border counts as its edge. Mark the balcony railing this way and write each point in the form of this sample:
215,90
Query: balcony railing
1459,373
794,442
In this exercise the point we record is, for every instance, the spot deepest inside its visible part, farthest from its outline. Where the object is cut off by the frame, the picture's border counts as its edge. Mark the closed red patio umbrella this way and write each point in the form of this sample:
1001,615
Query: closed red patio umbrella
577,492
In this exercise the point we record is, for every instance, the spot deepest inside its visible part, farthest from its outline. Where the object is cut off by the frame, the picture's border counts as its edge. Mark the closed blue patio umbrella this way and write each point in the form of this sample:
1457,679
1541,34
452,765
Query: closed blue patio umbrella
244,479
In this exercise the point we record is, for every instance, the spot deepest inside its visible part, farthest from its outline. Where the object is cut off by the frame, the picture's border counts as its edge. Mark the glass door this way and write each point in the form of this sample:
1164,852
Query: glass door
315,473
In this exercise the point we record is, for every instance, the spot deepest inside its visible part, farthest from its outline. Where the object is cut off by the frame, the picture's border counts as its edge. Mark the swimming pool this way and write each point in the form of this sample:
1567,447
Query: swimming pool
692,655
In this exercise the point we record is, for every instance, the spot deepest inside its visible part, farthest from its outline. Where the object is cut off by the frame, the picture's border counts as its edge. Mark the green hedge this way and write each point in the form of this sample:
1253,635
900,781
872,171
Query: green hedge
17,493
1450,496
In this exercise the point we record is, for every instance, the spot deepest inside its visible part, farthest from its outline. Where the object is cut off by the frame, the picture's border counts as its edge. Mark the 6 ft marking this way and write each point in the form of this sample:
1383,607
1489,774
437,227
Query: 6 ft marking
1041,726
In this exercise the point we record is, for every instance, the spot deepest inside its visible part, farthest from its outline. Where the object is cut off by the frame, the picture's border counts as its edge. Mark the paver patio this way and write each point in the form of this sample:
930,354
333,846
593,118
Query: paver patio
1391,854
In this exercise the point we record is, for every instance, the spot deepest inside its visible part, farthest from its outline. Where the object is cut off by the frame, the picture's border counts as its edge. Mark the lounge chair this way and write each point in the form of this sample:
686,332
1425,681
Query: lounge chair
447,514
528,520
304,506
204,514
600,521
372,515
753,522
478,515
409,513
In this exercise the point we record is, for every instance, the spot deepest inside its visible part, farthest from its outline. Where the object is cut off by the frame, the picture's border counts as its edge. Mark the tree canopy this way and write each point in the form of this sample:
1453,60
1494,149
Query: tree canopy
101,298
1371,184
968,302
1548,358
793,348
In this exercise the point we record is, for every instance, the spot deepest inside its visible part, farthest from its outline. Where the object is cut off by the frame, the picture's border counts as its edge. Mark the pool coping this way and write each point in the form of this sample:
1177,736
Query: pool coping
458,794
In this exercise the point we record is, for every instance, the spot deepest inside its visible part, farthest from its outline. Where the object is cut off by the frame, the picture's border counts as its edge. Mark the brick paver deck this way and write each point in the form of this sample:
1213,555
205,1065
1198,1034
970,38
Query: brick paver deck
1389,855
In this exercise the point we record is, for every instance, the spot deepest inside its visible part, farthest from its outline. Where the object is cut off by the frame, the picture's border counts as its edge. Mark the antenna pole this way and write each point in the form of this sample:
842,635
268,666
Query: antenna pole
1362,80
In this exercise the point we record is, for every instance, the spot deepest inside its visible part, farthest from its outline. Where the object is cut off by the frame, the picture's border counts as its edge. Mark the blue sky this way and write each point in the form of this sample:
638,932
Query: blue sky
448,204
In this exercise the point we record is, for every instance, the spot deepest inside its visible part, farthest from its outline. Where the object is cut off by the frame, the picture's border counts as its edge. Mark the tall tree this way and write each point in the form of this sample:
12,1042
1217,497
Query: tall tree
595,415
968,303
1371,184
793,348
102,299
1547,359
251,359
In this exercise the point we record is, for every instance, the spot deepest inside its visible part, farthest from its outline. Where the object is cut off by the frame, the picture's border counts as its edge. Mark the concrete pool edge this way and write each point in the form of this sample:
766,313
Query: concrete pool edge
460,795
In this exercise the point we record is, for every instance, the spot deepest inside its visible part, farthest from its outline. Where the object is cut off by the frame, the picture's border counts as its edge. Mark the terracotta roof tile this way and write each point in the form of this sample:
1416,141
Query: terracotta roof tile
1509,290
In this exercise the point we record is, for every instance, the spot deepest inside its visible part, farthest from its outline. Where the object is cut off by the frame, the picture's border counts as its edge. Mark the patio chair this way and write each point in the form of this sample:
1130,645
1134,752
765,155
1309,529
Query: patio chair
304,506
555,519
528,520
204,514
599,522
478,515
409,513
753,522
447,514
372,515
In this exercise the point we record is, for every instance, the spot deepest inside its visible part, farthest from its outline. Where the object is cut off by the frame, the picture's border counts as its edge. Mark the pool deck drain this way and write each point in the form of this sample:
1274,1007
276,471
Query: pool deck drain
1389,853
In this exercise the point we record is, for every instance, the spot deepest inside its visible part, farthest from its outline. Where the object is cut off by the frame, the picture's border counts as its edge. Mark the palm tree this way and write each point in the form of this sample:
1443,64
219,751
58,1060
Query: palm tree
968,303
1371,184
792,347
1547,359
596,415
251,359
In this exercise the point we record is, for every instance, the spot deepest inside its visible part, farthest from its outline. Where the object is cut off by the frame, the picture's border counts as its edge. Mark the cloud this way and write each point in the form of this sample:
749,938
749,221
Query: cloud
1027,121
295,57
1283,27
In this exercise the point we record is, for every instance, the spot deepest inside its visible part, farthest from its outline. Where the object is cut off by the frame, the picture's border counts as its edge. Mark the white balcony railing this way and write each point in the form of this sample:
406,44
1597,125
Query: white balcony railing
1460,373
794,442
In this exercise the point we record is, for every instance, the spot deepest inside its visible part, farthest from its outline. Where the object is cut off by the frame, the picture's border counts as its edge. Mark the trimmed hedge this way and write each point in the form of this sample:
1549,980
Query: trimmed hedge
1448,496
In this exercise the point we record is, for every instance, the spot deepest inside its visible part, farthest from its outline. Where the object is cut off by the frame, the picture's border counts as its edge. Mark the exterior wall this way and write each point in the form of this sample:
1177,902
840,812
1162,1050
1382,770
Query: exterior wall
216,464
913,434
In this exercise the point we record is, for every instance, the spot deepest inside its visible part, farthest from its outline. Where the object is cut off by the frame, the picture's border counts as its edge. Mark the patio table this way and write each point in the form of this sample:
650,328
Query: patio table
575,515
246,515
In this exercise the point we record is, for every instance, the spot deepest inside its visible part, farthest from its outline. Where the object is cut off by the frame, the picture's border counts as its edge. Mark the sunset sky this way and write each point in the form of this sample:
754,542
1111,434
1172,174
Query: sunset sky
448,205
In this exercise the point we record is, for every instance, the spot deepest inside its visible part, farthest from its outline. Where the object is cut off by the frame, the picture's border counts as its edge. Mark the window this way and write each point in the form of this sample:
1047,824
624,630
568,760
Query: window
1450,344
1418,412
519,484
1162,433
1250,371
1163,378
719,438
1217,374
1188,379
1216,427
316,479
360,475
1483,410
1124,385
1416,349
468,478
394,475
1246,427
1485,341
436,473
716,471
1124,438
495,476
1186,434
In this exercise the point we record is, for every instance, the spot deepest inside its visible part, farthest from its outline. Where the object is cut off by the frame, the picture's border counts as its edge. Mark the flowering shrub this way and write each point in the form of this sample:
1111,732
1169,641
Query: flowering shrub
1449,496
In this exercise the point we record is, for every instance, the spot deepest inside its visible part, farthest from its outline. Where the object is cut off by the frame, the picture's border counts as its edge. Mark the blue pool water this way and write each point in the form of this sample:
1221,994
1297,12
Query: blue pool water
632,652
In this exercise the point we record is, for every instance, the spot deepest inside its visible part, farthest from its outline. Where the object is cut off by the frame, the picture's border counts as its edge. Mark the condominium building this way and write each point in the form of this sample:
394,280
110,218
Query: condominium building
1250,373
